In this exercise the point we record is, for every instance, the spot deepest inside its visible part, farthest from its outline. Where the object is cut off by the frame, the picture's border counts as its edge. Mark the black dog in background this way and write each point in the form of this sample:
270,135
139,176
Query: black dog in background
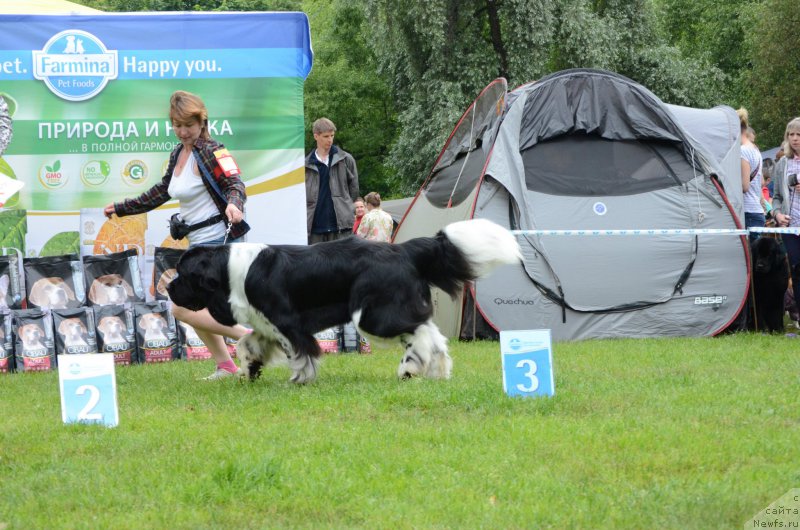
770,280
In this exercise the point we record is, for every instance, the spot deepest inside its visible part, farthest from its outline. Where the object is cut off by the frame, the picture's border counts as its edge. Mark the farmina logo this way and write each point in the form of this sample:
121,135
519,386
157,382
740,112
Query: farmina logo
75,65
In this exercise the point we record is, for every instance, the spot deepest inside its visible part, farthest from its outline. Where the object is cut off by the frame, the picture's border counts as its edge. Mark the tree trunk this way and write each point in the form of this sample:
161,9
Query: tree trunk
497,39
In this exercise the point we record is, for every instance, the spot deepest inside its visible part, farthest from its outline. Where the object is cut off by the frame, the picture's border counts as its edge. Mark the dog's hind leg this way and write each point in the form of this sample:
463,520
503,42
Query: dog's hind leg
254,351
425,354
441,365
302,351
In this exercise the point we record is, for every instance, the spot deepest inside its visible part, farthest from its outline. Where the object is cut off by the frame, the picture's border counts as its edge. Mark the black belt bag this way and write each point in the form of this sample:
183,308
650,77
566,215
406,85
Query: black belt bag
178,228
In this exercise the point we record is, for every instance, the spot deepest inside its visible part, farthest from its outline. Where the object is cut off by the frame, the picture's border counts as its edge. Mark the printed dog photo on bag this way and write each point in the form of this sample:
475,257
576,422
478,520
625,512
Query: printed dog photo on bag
52,292
112,329
154,326
110,289
116,333
54,282
165,259
163,281
74,331
113,278
32,337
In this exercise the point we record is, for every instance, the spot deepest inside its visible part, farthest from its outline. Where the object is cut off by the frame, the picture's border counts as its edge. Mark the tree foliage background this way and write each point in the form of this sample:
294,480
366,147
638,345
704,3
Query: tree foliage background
395,76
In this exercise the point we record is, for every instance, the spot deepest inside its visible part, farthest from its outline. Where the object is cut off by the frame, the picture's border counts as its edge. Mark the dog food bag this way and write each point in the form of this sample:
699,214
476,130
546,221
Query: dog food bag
116,332
165,260
34,348
113,279
54,282
155,333
191,345
6,343
349,338
364,347
230,344
328,339
74,331
10,283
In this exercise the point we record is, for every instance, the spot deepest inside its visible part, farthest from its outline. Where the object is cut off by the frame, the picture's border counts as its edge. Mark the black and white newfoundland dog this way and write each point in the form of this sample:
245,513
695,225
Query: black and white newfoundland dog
288,293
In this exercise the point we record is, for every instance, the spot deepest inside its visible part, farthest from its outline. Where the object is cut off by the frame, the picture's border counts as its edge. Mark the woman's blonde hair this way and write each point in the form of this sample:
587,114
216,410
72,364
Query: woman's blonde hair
373,198
185,107
792,126
744,118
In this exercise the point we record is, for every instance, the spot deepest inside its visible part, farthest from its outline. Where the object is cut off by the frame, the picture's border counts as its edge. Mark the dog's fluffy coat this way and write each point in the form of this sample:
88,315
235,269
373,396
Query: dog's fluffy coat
288,293
770,281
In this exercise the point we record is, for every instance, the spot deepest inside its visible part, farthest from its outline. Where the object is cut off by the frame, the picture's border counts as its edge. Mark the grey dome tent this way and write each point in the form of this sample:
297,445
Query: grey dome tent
595,153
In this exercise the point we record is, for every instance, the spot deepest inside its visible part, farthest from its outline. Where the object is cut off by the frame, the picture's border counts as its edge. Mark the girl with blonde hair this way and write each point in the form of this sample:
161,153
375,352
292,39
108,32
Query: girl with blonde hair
786,196
751,177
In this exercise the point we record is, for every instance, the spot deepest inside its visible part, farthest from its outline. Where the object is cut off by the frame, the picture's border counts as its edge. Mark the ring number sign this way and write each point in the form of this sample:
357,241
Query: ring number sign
88,389
527,363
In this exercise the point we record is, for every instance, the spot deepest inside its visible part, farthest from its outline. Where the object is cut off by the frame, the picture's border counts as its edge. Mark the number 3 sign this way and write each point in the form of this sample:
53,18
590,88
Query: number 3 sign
527,363
88,388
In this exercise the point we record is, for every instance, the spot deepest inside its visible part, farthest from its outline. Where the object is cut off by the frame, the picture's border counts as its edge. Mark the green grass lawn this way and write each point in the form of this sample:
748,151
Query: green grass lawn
661,433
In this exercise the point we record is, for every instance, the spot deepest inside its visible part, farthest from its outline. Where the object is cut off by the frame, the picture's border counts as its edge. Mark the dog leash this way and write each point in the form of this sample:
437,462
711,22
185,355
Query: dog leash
227,232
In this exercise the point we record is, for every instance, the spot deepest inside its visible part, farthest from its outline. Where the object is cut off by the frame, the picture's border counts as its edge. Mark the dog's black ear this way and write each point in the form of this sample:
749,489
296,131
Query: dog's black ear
200,265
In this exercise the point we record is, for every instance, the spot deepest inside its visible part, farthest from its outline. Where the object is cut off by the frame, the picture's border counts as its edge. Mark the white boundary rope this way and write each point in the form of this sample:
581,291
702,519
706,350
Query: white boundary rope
785,230
636,232
660,232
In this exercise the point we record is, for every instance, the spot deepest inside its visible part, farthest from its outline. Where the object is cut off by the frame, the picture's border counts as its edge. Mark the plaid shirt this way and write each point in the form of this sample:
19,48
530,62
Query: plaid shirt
232,187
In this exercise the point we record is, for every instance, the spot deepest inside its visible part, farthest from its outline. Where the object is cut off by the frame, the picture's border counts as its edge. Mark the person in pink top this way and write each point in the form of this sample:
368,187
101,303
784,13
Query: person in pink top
360,209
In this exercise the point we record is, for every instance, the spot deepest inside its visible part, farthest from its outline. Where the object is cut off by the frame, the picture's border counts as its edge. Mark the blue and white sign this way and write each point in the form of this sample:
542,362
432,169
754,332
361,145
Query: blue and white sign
88,389
75,65
527,363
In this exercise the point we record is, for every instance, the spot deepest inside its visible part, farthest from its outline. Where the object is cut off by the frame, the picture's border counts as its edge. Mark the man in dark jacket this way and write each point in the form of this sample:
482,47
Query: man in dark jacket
331,186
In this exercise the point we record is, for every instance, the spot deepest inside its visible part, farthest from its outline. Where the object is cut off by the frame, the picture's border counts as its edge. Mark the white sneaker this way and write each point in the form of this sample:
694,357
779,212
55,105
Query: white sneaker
219,373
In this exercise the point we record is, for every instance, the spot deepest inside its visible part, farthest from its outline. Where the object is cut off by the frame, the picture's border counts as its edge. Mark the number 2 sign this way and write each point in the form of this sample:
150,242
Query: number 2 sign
88,389
527,363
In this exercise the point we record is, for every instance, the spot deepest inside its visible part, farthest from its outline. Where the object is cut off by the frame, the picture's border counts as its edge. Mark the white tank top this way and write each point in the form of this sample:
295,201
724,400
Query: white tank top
752,197
196,204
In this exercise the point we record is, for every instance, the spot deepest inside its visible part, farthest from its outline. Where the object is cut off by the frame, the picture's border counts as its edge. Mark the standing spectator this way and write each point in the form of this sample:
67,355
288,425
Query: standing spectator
5,126
766,186
358,206
211,197
785,200
331,186
376,225
751,178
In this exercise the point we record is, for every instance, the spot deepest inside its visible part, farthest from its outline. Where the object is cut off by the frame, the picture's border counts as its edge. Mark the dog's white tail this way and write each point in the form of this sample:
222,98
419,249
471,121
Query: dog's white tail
484,244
